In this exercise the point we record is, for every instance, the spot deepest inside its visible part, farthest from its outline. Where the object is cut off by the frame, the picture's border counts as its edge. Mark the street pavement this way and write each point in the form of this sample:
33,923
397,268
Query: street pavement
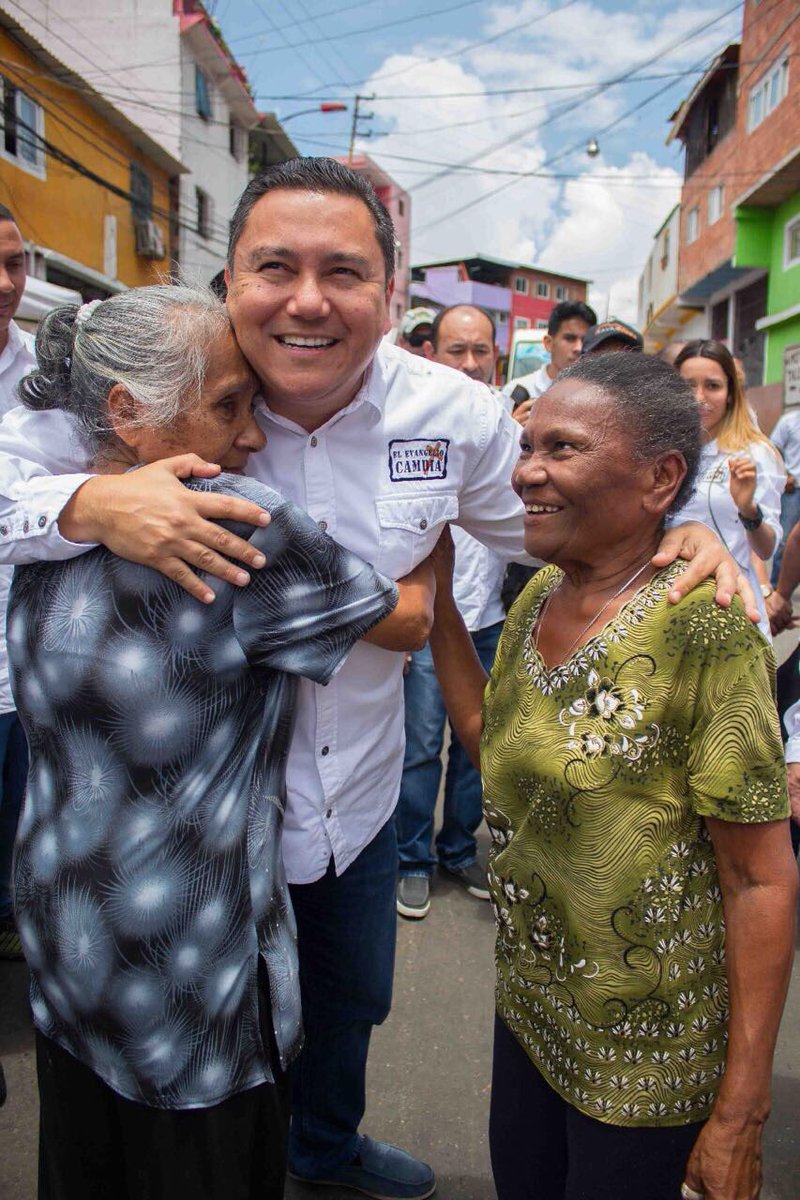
429,1076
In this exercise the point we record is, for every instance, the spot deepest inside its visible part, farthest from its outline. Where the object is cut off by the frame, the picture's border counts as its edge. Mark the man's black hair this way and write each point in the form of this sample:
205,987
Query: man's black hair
6,214
315,175
440,316
567,311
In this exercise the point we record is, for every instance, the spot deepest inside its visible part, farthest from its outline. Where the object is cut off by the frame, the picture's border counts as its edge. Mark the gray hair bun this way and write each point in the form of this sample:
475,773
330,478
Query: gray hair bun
49,385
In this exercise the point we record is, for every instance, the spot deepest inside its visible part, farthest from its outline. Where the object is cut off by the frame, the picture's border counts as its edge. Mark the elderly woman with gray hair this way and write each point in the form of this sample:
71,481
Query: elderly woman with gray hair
150,894
641,870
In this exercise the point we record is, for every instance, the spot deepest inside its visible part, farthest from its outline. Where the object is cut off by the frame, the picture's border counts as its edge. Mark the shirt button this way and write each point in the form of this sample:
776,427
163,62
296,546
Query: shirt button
26,525
325,750
313,441
4,530
423,524
329,814
323,525
42,522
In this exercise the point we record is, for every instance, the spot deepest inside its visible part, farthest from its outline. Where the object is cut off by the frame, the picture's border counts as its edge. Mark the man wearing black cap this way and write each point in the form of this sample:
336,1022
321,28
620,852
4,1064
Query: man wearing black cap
612,335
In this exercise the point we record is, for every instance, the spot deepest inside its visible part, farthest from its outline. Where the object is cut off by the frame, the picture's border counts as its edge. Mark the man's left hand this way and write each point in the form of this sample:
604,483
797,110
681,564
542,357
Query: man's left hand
725,1163
706,556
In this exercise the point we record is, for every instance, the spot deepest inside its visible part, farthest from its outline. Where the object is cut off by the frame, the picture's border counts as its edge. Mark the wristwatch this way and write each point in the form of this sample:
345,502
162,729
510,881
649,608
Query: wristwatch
751,524
766,590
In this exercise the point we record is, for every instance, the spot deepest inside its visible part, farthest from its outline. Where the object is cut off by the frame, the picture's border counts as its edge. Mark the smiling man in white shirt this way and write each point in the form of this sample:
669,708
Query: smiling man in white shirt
382,449
16,359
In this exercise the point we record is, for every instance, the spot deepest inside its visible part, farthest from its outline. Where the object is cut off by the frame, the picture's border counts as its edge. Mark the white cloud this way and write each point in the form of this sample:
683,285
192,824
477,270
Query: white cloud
599,225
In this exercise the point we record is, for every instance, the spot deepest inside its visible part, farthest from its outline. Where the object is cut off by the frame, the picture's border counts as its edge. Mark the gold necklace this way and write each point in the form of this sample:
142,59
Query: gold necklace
540,618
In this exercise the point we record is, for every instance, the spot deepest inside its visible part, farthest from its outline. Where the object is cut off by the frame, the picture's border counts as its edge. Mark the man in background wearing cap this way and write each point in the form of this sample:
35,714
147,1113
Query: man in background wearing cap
568,325
16,359
612,335
415,330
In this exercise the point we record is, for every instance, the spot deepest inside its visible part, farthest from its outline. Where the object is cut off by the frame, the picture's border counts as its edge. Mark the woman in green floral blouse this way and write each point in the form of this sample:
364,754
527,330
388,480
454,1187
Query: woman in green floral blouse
635,793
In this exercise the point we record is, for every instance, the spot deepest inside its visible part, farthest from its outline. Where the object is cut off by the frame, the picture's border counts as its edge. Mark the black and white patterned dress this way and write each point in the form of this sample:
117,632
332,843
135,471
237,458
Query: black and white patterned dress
148,873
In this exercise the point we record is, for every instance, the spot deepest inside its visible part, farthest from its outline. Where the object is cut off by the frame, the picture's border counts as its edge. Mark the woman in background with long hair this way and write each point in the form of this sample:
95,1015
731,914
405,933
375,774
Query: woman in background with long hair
741,477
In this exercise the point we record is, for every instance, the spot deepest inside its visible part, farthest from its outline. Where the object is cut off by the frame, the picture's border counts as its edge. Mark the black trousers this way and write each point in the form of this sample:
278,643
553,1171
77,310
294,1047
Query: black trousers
544,1149
96,1145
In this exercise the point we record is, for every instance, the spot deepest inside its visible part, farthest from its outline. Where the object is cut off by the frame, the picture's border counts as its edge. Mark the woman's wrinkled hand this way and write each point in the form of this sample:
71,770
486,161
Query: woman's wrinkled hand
725,1163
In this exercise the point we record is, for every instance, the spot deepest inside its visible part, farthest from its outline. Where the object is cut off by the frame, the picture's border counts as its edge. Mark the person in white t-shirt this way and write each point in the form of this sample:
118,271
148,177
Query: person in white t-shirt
568,325
16,360
463,337
382,449
741,476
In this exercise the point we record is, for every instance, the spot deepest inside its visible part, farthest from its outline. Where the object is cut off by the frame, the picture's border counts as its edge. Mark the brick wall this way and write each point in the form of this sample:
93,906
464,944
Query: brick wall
739,161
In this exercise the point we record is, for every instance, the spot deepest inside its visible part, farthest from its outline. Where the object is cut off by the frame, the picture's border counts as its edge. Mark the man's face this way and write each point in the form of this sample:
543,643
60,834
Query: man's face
12,274
309,299
465,342
566,345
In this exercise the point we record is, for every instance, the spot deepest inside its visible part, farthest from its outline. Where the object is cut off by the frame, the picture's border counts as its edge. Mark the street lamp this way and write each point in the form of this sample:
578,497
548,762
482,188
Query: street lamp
592,147
327,106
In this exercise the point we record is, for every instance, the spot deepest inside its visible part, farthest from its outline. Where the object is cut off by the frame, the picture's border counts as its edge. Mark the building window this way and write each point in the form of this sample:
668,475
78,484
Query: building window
502,318
561,293
235,140
141,194
767,94
521,285
715,197
23,129
665,250
202,94
791,243
203,204
543,289
541,324
521,323
398,255
401,208
692,225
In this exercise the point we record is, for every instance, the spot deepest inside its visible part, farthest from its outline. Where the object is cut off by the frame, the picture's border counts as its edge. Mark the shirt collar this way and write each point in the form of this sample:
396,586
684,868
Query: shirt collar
373,390
16,345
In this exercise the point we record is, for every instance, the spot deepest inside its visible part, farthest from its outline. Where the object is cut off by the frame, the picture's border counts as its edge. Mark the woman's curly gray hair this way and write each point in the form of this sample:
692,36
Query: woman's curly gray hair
152,340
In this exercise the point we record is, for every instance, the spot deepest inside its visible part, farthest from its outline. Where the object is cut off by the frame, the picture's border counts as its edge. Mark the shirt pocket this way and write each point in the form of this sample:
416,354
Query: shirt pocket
409,527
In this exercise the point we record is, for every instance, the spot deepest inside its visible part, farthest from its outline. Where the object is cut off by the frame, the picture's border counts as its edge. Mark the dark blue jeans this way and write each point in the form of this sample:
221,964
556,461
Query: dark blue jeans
346,930
13,774
422,771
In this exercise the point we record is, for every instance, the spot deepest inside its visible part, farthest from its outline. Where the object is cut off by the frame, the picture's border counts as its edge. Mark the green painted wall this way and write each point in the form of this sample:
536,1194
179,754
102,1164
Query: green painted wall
753,237
783,292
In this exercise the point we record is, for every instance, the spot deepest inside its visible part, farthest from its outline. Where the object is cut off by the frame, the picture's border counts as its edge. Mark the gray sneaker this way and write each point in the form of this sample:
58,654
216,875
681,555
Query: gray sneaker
473,878
413,896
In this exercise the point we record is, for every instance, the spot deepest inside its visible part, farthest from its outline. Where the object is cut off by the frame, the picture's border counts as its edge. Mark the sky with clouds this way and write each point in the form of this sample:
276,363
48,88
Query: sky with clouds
483,112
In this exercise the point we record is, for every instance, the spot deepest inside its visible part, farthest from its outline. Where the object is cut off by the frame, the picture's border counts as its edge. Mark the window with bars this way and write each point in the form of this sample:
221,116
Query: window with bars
203,211
22,128
202,94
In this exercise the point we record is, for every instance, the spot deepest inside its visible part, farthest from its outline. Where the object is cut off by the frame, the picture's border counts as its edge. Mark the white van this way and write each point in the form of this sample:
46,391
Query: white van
527,353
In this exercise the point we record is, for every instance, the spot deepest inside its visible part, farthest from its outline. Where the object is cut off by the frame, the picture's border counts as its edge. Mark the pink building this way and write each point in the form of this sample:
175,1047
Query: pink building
398,204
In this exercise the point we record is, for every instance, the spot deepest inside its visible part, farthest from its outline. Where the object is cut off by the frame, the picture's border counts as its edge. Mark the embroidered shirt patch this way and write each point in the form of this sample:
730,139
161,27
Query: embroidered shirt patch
411,459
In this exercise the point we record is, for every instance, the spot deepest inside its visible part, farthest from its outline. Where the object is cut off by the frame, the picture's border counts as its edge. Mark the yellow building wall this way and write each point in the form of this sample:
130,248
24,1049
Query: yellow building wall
65,211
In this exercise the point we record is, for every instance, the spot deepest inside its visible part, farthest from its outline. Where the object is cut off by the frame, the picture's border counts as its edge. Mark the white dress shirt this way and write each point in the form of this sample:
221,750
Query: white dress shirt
477,582
791,721
711,502
534,384
17,360
419,445
786,436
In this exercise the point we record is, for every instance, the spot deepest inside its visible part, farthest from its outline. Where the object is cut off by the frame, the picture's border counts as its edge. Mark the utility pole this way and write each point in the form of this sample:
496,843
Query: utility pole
354,129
